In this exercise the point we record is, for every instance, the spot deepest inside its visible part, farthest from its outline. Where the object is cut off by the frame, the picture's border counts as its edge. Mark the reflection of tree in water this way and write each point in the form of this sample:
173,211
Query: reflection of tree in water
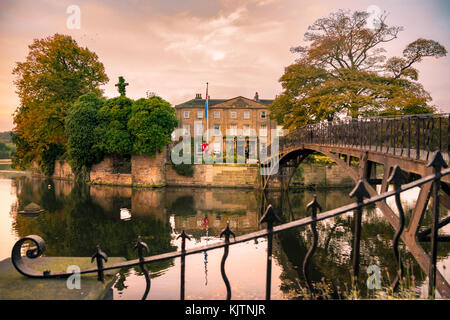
73,225
332,259
183,206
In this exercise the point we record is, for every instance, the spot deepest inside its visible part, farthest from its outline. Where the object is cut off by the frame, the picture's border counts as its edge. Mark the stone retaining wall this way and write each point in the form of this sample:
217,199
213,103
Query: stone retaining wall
215,175
102,173
149,171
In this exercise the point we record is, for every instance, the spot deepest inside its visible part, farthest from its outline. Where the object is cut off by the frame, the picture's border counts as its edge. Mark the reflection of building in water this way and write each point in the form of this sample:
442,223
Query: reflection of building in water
239,223
191,205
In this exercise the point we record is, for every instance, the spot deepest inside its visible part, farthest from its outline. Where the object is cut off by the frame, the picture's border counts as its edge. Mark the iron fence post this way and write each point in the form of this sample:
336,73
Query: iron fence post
417,138
409,137
360,192
269,217
226,232
437,162
314,206
397,178
141,246
183,237
99,256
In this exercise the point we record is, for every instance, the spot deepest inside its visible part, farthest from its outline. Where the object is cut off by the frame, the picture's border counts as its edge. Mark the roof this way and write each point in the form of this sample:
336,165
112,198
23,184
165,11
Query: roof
200,103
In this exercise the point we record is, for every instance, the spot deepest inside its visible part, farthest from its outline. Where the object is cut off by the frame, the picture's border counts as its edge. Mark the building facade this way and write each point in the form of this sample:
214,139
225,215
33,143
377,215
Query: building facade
247,120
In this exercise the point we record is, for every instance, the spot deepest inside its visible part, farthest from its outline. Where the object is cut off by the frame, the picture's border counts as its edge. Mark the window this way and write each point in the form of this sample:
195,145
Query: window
233,129
246,130
216,114
187,129
263,147
198,128
246,114
263,130
217,130
200,114
262,115
216,148
233,114
186,114
198,148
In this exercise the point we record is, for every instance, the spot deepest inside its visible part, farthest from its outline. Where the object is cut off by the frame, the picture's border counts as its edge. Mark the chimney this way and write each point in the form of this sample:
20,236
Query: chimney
256,97
198,96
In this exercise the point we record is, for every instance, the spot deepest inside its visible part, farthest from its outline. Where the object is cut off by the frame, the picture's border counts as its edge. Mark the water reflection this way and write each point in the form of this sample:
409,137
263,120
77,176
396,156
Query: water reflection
77,217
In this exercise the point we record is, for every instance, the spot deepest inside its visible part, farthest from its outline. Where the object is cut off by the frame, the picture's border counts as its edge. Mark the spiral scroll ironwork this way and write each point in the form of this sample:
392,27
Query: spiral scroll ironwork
32,253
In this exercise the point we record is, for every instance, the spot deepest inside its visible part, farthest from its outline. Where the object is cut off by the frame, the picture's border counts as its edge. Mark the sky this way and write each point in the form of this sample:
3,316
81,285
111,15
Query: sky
173,47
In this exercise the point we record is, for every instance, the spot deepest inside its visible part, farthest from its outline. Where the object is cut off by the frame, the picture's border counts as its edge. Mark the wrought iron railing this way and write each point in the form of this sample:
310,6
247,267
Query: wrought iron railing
362,199
411,136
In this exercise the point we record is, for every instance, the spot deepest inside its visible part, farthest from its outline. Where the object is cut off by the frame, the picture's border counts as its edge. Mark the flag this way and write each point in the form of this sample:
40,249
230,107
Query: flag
206,102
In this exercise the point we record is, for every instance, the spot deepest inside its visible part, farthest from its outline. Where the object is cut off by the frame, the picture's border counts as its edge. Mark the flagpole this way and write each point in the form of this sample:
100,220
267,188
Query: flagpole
207,118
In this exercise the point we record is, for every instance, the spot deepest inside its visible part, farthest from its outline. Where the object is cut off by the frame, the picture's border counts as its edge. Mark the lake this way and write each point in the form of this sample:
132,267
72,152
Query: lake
78,217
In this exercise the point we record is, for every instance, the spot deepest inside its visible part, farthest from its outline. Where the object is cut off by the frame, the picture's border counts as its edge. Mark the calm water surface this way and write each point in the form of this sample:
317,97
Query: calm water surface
78,217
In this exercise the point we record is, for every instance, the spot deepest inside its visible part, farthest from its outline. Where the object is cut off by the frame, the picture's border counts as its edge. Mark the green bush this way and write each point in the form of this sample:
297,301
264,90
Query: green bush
81,121
151,123
48,158
184,169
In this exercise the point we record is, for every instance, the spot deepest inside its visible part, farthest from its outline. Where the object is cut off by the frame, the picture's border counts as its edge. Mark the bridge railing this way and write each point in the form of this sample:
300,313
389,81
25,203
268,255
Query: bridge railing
272,227
412,136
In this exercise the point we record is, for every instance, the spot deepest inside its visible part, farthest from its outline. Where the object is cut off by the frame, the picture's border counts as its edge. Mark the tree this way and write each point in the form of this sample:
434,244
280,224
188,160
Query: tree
81,121
56,72
151,123
343,72
112,135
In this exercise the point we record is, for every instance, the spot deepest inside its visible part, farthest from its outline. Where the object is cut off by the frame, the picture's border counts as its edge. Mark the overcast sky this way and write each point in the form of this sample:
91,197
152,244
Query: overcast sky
173,47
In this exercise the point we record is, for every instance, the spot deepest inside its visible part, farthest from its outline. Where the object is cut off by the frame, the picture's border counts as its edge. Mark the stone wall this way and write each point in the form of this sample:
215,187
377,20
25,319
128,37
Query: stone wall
102,173
215,175
63,170
148,171
326,176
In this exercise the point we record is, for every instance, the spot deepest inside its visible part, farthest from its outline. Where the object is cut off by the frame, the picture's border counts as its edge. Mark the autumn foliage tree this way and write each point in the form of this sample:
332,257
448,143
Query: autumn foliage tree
55,73
344,72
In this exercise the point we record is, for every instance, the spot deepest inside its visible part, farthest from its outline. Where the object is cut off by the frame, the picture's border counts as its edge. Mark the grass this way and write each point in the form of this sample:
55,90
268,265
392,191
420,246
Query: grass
324,289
